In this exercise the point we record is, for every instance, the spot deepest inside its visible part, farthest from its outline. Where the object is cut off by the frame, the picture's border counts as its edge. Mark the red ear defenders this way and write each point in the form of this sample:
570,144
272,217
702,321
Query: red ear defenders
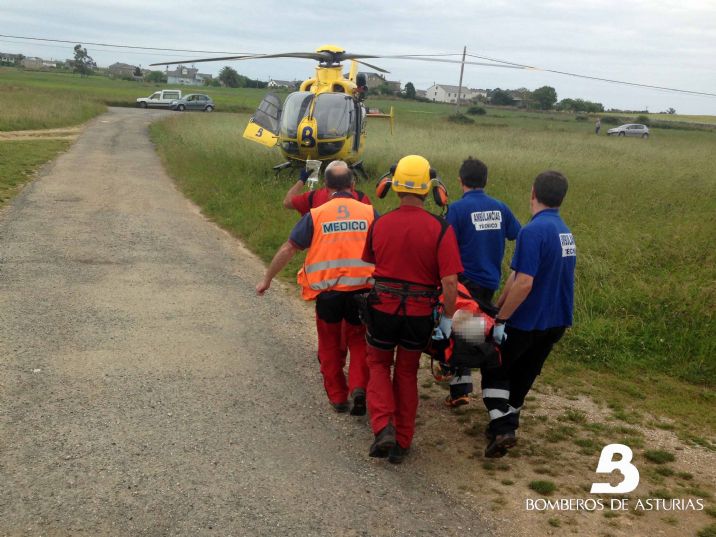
439,190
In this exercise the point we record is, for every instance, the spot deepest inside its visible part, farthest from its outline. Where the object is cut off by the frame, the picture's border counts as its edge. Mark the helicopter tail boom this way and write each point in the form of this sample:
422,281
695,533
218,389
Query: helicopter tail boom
390,117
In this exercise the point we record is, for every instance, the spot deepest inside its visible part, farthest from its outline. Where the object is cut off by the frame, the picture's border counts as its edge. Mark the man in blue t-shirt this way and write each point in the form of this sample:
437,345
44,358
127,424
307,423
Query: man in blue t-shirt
535,309
481,224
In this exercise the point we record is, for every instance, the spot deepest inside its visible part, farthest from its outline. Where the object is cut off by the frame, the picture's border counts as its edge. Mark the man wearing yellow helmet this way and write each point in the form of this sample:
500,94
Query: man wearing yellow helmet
415,255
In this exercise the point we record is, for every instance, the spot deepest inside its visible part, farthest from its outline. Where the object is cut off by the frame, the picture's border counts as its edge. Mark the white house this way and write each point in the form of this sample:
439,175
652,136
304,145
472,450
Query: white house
444,93
189,76
36,64
283,84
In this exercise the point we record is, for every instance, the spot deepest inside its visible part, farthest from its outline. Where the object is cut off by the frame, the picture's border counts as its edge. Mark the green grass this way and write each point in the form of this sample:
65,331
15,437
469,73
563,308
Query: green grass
708,531
543,487
659,456
20,159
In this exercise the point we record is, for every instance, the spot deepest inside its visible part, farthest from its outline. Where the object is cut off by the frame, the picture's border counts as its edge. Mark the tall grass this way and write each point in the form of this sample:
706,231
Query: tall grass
643,214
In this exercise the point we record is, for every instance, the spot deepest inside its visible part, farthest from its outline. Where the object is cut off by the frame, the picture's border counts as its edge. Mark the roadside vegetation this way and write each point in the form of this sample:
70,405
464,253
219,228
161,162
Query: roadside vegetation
20,159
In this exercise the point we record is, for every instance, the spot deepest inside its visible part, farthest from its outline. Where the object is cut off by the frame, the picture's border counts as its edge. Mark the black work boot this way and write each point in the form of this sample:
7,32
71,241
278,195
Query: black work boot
397,454
500,444
383,443
341,408
358,408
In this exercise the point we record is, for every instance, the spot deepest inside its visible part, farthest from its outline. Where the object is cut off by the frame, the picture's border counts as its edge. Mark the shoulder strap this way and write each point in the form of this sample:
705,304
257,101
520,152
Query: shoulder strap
443,226
360,196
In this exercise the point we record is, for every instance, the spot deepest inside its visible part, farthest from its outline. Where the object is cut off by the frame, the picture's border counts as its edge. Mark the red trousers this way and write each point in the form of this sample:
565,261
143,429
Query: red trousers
393,400
332,357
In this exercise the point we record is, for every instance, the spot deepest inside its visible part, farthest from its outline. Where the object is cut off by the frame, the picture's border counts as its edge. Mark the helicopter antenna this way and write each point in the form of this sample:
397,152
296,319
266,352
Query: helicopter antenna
459,88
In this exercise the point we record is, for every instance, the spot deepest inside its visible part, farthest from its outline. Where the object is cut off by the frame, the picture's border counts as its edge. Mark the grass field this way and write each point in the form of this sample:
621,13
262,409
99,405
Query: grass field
41,100
643,214
19,160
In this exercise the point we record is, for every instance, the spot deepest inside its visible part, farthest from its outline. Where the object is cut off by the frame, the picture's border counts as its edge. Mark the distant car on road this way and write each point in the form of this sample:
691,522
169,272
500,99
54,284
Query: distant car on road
159,99
193,101
630,129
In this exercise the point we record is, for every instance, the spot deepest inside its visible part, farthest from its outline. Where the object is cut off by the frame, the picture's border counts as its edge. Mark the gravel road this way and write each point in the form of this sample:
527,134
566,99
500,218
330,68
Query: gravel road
145,390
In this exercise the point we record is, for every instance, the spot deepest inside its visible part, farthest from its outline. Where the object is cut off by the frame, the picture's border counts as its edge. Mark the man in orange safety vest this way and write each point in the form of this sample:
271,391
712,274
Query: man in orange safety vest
333,272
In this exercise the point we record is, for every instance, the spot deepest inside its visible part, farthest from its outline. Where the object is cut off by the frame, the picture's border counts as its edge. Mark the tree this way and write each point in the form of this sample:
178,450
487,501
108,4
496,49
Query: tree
501,97
545,97
157,77
137,71
579,105
410,90
83,62
229,77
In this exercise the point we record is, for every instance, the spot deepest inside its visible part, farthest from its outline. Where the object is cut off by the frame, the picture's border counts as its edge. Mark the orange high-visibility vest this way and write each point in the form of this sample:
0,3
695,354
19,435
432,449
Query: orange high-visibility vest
333,261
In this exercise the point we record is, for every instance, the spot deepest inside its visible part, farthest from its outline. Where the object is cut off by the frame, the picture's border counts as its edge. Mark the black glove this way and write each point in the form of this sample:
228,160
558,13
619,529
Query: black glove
303,177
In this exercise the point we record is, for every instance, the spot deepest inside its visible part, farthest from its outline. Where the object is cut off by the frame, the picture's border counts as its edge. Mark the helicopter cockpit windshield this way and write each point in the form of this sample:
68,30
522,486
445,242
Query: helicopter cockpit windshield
334,115
294,110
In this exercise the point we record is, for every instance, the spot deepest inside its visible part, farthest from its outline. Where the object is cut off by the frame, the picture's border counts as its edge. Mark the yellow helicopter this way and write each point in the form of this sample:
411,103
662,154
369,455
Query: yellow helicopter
325,119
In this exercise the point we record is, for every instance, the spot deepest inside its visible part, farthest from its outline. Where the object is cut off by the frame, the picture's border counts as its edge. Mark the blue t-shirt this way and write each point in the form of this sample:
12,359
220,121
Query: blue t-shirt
546,251
481,225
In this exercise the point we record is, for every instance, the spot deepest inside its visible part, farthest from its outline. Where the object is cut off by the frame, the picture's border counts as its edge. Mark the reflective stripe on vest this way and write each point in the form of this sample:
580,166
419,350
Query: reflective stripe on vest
336,263
333,261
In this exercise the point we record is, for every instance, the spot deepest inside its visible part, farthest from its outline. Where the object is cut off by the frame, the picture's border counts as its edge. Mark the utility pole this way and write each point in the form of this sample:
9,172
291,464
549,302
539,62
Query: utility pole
459,88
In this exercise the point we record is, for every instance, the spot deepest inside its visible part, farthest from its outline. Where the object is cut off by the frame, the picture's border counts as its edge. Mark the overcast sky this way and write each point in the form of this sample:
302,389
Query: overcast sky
658,42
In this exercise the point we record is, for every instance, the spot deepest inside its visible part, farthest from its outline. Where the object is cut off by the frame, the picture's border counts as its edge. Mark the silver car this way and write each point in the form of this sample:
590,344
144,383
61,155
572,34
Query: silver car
193,101
630,129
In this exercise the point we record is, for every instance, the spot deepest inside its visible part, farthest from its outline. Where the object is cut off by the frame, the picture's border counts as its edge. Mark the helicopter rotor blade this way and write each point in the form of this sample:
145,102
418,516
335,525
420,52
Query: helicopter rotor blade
379,69
444,60
306,55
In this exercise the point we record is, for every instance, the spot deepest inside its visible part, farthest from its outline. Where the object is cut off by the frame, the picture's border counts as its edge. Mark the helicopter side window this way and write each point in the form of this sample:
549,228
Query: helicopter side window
334,114
294,110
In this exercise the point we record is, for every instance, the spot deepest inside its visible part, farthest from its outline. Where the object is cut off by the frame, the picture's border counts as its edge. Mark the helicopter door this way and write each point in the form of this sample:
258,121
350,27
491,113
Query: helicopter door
264,125
359,111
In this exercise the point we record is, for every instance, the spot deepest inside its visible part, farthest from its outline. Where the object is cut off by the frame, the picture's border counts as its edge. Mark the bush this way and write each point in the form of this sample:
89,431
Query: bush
659,456
460,119
476,111
581,118
543,487
644,120
613,120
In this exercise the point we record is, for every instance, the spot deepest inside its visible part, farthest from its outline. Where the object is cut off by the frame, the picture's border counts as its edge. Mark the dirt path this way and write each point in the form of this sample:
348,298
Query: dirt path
145,390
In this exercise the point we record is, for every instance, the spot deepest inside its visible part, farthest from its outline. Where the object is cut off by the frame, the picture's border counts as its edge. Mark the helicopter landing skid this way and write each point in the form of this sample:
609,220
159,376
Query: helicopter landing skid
281,167
359,170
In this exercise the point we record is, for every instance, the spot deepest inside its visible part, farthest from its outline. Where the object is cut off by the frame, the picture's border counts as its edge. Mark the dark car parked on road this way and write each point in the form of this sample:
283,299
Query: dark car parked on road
194,101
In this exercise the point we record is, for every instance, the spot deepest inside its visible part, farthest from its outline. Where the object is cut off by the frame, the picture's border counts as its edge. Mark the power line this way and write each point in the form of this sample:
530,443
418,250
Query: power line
588,77
123,46
423,57
100,49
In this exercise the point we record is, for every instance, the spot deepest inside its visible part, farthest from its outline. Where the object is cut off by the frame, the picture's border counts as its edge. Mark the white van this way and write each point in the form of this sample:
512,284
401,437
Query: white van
159,99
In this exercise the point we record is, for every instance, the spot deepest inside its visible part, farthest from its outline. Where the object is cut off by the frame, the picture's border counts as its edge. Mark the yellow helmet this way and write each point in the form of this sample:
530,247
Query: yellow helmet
412,174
